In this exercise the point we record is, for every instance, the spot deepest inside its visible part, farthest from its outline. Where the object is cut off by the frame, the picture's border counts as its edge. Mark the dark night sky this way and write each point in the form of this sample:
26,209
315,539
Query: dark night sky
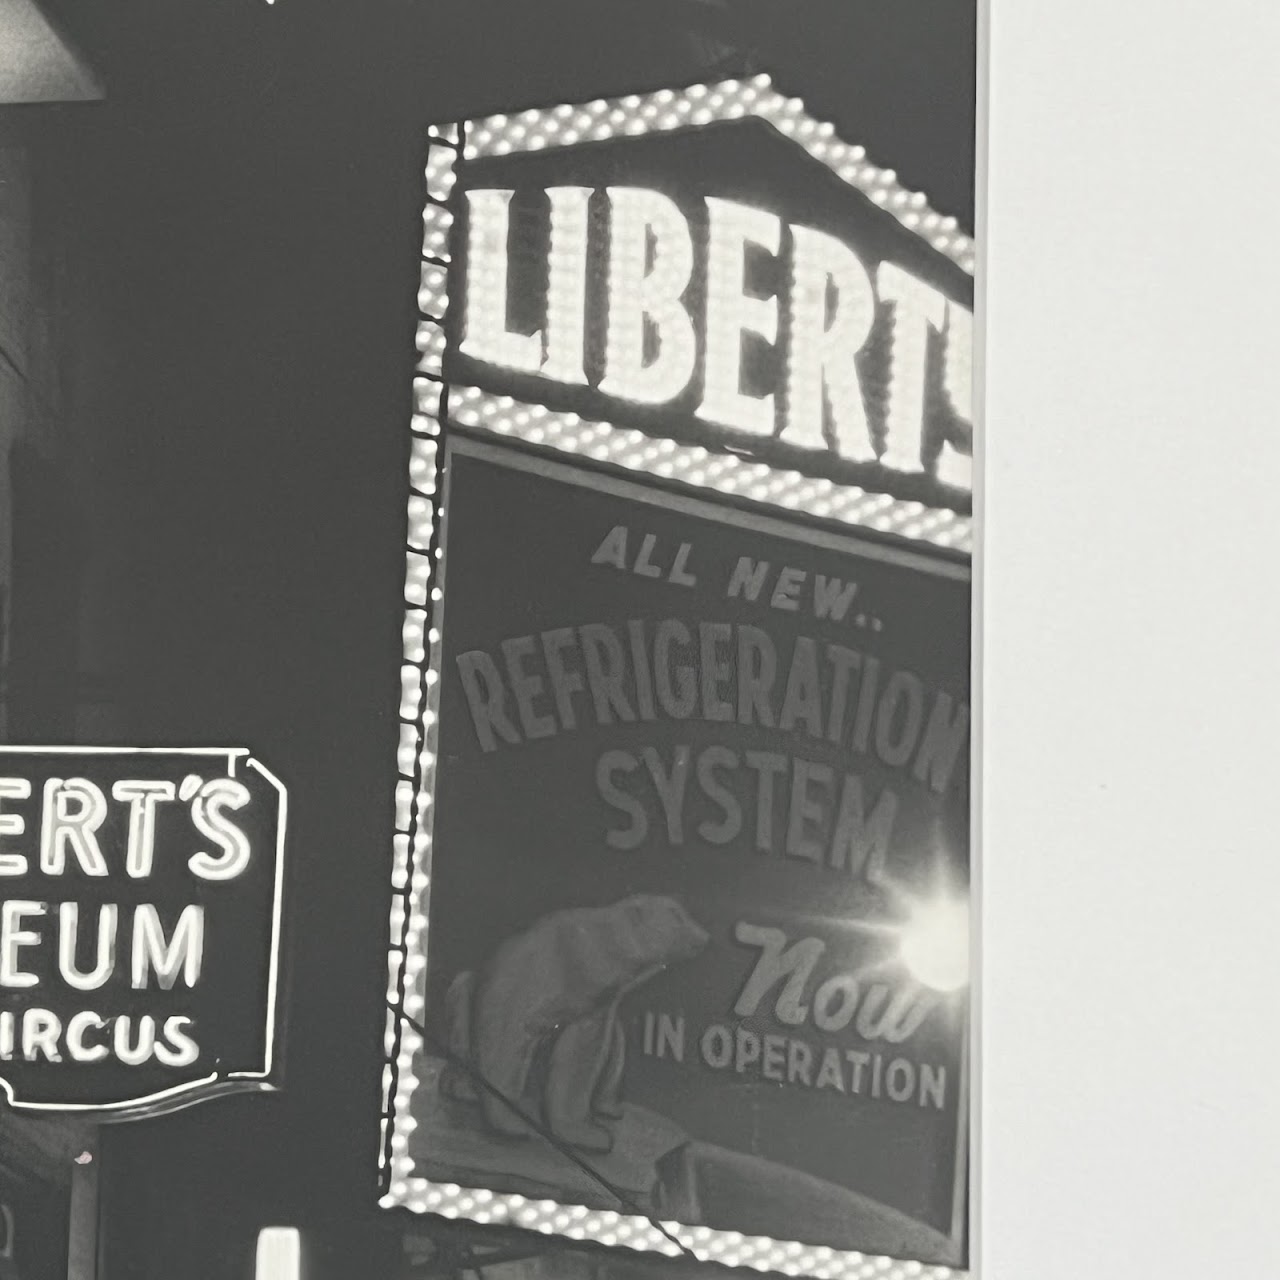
897,77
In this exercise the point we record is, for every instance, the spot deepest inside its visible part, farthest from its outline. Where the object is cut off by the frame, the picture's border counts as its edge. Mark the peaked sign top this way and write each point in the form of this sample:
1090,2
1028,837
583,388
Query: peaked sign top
699,105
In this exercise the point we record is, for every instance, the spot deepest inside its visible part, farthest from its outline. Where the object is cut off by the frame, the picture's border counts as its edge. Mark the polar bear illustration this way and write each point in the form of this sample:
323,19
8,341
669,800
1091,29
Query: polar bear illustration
556,987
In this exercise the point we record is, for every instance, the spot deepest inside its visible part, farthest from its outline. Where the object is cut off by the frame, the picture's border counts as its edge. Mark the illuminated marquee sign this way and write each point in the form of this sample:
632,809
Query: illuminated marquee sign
139,928
718,269
682,777
817,332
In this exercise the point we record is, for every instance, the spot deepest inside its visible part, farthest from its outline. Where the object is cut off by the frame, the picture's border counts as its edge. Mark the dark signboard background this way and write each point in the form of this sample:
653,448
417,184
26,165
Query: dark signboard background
233,1009
520,831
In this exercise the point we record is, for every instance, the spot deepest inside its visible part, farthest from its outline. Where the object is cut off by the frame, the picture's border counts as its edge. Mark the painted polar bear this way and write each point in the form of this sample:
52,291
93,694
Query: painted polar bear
549,998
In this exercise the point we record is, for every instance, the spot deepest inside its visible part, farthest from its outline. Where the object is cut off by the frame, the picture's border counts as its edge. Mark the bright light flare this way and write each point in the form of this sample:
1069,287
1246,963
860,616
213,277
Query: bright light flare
933,943
279,1254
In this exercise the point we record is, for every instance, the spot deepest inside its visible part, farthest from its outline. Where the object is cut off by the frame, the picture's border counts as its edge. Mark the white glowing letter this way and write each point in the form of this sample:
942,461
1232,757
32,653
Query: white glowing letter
68,936
824,342
487,337
142,798
73,811
640,291
731,312
567,285
177,1049
916,310
13,824
13,938
76,1047
184,952
40,1032
133,1053
207,815
955,467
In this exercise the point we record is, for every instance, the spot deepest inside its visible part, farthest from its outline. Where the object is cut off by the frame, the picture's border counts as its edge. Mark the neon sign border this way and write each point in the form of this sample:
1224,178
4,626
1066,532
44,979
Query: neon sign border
568,125
216,1083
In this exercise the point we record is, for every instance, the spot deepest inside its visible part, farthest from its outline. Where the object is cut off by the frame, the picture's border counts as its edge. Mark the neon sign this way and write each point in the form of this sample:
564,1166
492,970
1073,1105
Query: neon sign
140,927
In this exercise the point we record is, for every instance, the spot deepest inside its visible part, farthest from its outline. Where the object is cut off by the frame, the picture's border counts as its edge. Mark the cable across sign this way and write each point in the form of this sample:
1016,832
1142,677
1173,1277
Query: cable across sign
679,937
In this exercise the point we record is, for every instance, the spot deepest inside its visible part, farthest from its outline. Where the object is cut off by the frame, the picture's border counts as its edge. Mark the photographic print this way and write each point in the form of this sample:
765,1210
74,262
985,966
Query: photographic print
486,611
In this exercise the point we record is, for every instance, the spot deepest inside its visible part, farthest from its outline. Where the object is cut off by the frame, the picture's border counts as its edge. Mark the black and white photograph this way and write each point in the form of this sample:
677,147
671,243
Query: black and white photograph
487,631
497,609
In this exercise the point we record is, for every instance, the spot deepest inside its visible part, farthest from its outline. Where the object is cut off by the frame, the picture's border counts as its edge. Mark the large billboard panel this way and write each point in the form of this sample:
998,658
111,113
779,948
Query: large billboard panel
679,937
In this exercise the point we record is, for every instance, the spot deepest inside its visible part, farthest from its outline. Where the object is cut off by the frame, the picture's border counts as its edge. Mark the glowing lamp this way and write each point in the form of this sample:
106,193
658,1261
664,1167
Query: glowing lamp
934,943
279,1255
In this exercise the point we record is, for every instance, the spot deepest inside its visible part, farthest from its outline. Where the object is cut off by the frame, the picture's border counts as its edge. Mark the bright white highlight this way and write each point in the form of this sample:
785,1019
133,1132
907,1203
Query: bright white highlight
142,797
14,937
703,104
917,310
640,291
957,379
182,1050
279,1254
567,285
729,1248
487,337
652,338
568,434
13,824
419,695
934,943
105,949
182,954
208,818
74,809
823,346
720,473
77,1028
958,367
731,312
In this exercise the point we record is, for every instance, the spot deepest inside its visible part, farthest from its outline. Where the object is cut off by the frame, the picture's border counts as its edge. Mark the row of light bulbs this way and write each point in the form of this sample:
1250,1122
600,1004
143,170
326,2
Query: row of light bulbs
727,473
700,105
602,1226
